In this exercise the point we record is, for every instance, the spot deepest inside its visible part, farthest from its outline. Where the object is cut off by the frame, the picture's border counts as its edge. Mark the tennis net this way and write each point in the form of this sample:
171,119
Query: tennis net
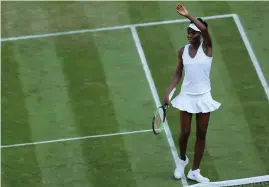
261,181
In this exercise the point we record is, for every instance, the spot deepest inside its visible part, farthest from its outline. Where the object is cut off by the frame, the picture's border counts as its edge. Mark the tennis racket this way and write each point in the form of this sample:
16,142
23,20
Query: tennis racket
160,116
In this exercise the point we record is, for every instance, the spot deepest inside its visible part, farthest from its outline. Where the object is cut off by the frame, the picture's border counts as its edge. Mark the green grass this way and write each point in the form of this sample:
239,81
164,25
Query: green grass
94,83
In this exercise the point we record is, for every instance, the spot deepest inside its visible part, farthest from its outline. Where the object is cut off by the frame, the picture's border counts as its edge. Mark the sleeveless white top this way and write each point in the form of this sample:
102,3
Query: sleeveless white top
197,71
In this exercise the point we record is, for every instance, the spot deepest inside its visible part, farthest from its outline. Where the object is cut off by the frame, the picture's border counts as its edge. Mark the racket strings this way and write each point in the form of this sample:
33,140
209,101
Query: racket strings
158,119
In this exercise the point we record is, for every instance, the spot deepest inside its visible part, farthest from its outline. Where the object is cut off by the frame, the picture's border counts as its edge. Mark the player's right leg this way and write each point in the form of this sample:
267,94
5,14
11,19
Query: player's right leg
202,120
185,124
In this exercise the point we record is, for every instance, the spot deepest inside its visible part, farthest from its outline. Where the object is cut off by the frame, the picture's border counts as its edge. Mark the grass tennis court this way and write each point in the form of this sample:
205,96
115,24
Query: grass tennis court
93,83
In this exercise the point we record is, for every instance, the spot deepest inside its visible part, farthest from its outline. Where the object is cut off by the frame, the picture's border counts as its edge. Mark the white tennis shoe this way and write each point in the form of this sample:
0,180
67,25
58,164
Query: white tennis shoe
179,171
196,176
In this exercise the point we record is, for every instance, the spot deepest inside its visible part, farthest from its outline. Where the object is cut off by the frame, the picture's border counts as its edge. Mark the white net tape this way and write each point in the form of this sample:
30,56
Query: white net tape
238,182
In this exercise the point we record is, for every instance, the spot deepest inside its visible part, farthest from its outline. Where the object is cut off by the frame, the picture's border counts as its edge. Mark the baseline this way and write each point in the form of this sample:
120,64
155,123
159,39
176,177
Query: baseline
108,28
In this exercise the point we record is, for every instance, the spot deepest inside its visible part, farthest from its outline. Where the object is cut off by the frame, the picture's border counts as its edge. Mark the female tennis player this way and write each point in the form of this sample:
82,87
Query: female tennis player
195,96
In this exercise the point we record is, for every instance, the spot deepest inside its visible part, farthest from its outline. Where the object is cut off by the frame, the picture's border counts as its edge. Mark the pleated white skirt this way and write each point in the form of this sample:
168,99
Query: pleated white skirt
202,103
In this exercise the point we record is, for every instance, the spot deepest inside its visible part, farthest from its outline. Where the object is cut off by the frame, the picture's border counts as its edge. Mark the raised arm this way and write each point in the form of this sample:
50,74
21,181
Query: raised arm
177,76
204,31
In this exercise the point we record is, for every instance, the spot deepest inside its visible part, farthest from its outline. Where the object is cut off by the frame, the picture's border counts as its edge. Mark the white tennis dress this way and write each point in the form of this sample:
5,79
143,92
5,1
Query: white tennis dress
195,95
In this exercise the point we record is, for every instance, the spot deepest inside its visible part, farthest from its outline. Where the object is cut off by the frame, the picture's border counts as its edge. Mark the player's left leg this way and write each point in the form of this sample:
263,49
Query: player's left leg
202,120
185,126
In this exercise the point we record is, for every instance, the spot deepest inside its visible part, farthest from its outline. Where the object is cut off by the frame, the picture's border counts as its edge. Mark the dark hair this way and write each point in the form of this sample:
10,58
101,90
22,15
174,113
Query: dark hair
202,21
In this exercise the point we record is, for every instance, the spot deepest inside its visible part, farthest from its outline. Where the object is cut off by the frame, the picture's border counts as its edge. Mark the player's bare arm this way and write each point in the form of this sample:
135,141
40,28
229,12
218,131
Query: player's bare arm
177,76
204,31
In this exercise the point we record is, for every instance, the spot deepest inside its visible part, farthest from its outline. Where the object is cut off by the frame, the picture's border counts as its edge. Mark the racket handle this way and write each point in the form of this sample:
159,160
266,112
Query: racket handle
172,93
165,106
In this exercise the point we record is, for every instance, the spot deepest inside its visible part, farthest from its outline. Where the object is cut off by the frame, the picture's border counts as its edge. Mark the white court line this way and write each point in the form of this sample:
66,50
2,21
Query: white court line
252,55
109,28
77,138
156,98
